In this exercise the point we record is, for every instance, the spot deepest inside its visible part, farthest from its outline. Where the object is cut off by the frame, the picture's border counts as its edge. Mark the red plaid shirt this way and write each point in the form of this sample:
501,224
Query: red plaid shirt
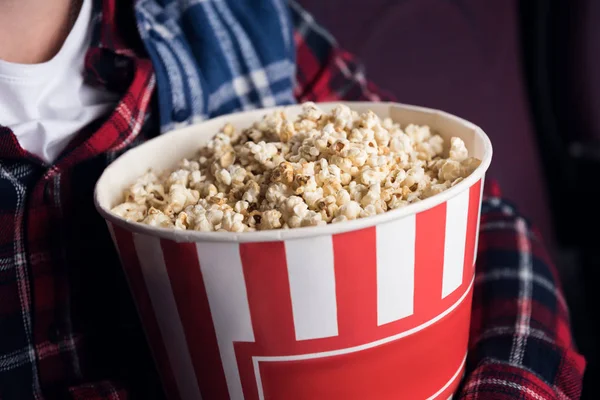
68,328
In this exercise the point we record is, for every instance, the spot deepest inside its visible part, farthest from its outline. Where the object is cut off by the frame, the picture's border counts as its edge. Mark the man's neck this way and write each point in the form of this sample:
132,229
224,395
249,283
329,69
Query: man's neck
33,31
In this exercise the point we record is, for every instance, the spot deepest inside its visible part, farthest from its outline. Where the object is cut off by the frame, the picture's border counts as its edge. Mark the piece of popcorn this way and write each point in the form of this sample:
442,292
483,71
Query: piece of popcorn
214,216
357,191
432,190
189,165
232,222
305,125
202,224
181,222
312,218
469,165
277,192
350,210
450,171
143,188
458,151
300,210
157,218
131,211
311,197
395,178
238,175
270,219
369,176
196,178
252,192
284,172
368,211
373,194
180,197
223,176
401,143
380,206
294,221
241,206
328,210
396,202
436,142
418,133
311,112
342,117
342,197
179,177
208,190
413,176
287,131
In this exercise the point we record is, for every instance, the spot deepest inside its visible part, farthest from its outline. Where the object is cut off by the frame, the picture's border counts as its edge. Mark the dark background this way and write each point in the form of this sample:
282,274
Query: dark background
528,73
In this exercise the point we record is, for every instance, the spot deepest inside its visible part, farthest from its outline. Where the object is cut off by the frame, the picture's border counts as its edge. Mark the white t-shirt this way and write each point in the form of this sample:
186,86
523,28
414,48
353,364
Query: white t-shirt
46,104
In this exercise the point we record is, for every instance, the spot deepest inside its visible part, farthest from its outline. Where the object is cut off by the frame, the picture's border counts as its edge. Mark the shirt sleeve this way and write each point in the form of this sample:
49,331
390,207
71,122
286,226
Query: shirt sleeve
521,345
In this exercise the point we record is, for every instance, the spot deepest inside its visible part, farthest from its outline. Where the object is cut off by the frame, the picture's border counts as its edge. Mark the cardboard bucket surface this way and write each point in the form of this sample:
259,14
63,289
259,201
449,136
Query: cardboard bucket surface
376,308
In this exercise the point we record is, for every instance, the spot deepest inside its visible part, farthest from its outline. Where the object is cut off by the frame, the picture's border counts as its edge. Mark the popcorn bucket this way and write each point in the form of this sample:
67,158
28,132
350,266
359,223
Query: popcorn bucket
375,308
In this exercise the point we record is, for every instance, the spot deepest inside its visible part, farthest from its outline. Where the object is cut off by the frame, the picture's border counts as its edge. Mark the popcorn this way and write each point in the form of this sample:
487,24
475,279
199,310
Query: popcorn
313,219
181,222
350,210
317,169
469,165
372,196
180,197
232,222
158,218
270,219
342,197
223,176
458,151
179,177
131,211
450,171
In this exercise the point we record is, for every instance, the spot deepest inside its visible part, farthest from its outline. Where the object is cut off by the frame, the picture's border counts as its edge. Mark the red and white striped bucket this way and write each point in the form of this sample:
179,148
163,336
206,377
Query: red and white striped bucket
376,308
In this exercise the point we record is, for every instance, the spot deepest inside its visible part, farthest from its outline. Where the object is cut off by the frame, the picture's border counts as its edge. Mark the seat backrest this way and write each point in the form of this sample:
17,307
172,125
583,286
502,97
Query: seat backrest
582,67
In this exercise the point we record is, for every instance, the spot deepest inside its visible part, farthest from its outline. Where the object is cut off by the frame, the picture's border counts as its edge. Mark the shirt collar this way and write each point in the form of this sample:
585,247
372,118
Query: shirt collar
115,44
115,28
